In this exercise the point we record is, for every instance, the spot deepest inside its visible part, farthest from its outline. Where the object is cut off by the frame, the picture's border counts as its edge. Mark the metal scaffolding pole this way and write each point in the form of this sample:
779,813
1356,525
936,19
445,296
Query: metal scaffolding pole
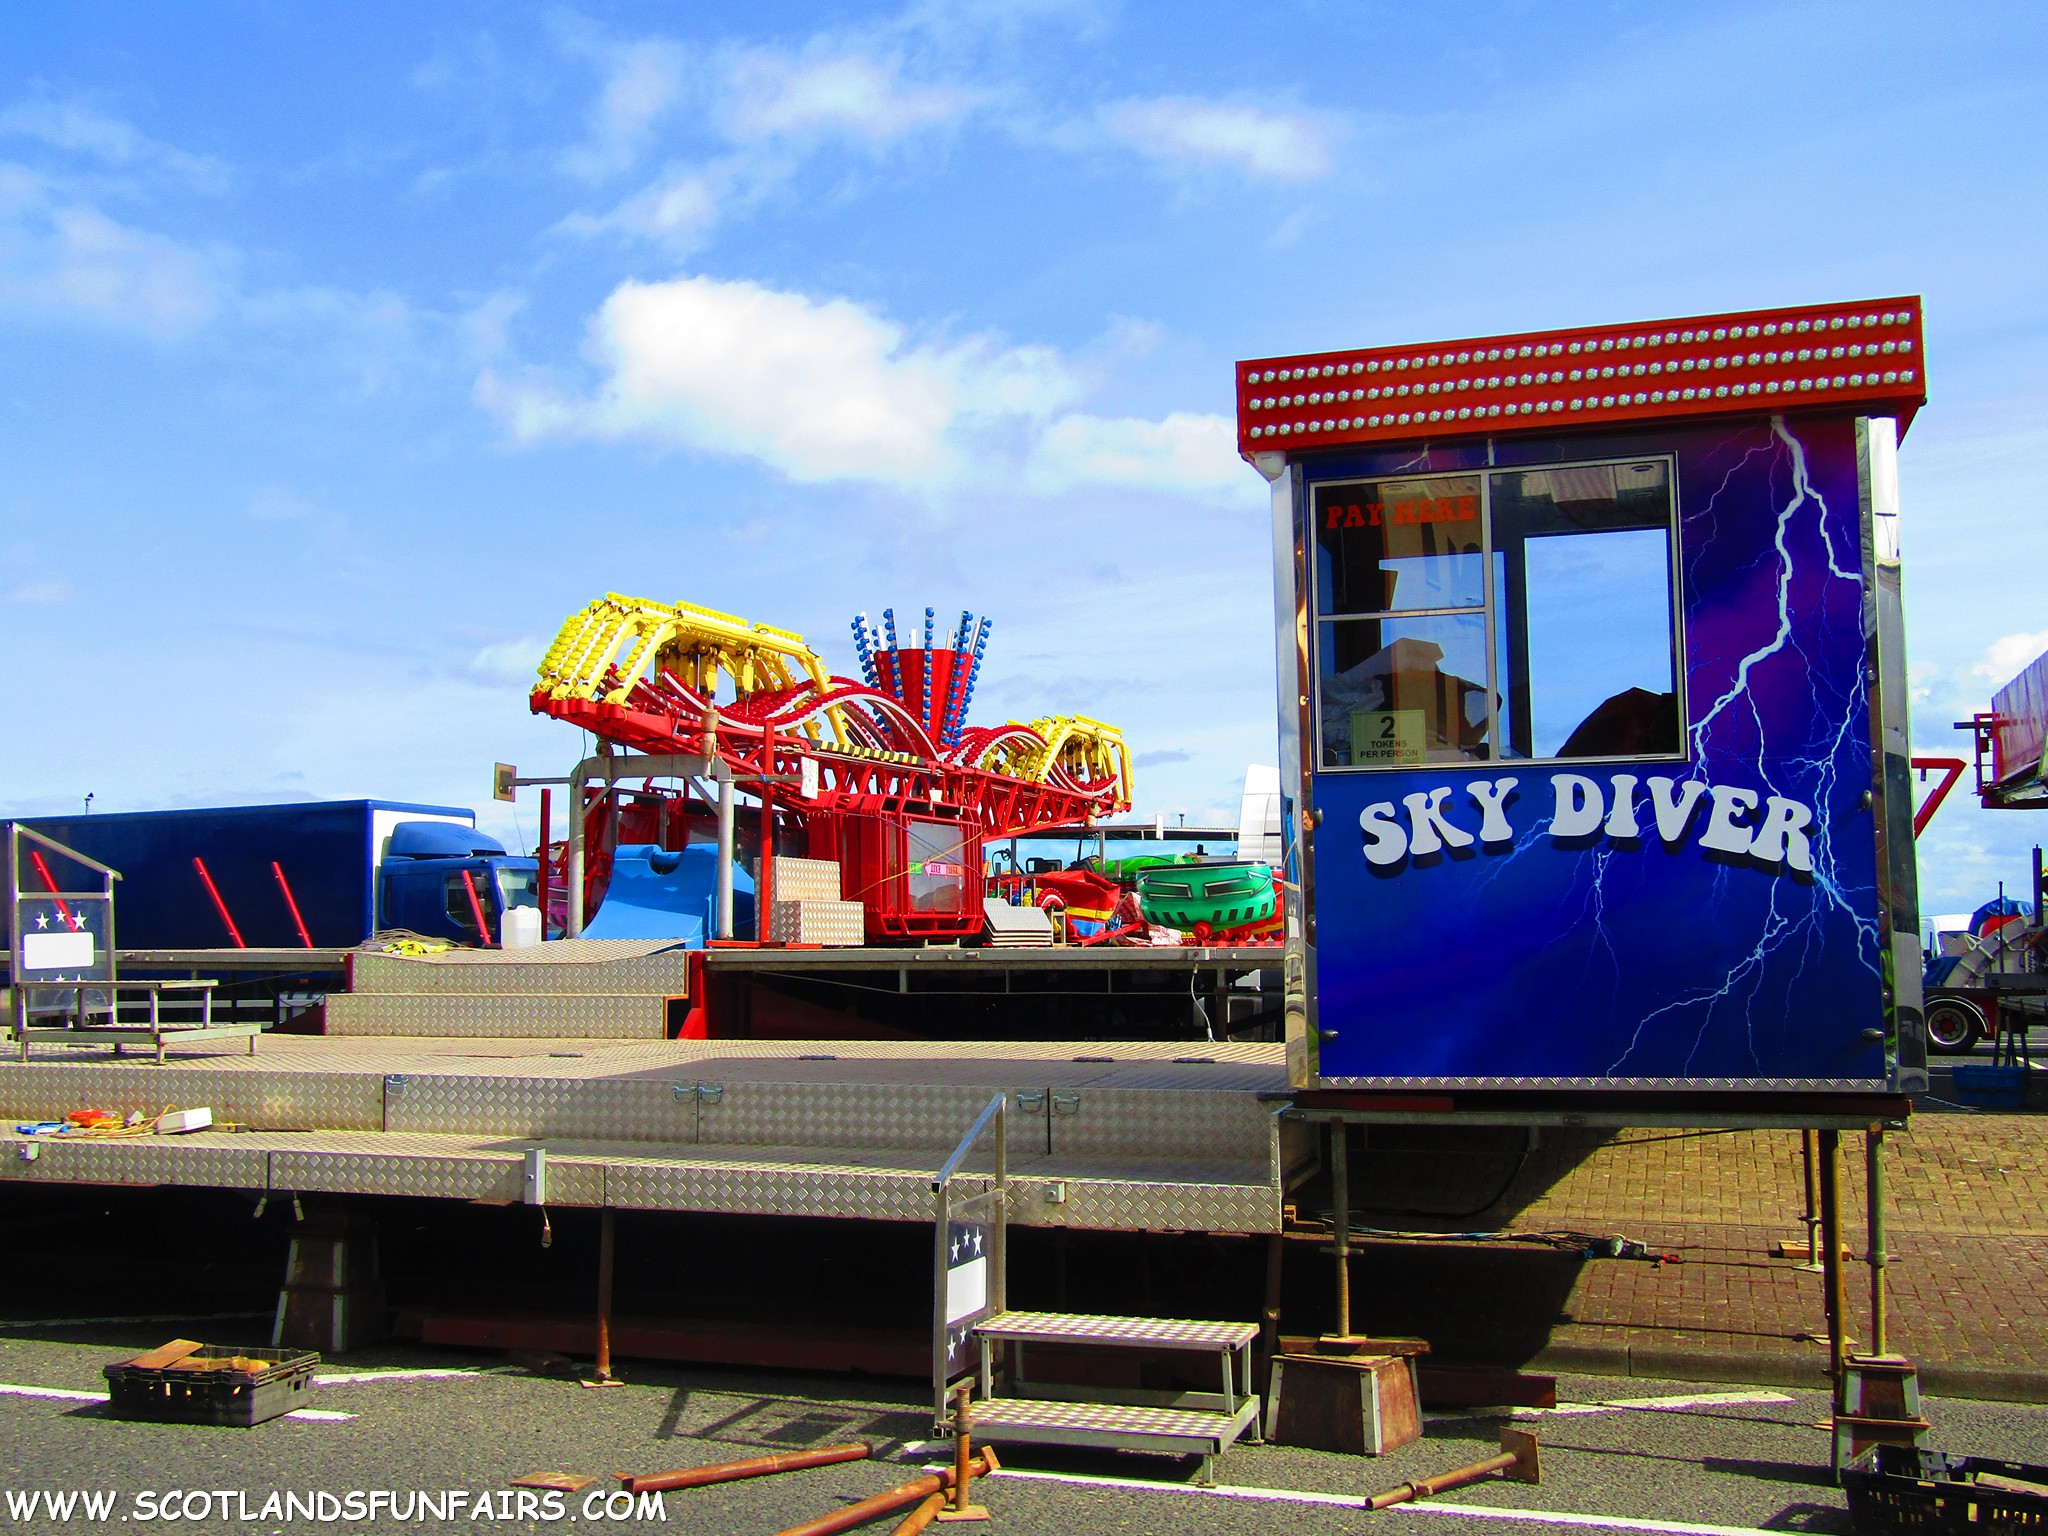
1807,1144
1873,1164
1340,1197
1831,1261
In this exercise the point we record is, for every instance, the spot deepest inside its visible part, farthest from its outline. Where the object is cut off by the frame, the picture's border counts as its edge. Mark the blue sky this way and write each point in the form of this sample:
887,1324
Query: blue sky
341,348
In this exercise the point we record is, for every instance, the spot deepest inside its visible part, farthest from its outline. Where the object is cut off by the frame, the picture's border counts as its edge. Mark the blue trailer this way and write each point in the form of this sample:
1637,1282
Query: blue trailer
351,867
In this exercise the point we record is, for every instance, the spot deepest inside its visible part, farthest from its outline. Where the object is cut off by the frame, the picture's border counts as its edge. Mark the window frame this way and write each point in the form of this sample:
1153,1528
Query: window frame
1490,610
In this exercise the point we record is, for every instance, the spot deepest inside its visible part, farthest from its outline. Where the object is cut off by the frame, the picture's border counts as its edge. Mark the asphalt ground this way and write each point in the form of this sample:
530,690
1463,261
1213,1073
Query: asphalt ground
1746,1465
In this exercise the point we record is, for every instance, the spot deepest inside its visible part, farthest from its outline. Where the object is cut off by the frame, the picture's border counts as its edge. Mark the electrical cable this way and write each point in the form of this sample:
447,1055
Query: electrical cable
1486,1205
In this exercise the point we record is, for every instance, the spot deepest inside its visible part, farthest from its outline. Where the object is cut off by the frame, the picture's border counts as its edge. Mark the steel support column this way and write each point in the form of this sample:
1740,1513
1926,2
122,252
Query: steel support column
1873,1165
1831,1260
1340,1198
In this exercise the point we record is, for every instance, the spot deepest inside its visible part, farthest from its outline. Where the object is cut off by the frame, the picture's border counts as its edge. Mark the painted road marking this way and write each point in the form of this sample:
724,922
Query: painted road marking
356,1378
1356,1501
85,1322
1656,1404
10,1389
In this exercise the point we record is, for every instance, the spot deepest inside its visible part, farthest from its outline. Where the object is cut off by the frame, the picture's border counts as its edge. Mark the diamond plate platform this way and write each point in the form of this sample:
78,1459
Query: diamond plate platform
752,1127
843,1182
284,1100
644,967
487,1015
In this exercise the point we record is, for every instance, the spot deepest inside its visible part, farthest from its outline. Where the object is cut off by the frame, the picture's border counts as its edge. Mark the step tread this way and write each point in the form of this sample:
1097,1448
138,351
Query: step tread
995,1415
1089,1328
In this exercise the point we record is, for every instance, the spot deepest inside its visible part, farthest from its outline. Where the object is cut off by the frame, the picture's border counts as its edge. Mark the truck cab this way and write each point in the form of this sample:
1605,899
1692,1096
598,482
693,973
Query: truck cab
437,878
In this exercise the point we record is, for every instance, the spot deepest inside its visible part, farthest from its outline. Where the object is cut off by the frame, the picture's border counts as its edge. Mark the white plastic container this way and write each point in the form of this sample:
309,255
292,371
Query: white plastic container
521,928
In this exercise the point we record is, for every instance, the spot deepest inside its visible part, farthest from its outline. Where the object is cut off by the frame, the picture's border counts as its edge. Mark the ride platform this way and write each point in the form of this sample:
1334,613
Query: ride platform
1160,1136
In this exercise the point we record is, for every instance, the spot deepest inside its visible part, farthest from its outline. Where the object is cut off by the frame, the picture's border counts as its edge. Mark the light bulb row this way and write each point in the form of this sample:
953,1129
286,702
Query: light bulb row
1576,375
1686,367
1592,402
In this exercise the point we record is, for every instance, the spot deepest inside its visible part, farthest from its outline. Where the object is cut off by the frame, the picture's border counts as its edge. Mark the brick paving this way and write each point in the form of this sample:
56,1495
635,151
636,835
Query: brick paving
1967,1234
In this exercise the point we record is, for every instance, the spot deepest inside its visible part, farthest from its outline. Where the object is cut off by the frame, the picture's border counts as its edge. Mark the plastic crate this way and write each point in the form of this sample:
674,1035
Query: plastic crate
1900,1490
1990,1087
185,1392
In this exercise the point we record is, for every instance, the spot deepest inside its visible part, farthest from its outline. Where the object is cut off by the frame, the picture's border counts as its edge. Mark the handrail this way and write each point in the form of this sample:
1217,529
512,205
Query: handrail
952,1164
56,847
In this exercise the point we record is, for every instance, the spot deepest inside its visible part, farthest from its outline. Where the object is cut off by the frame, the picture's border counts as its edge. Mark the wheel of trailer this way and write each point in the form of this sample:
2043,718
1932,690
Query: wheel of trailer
1954,1024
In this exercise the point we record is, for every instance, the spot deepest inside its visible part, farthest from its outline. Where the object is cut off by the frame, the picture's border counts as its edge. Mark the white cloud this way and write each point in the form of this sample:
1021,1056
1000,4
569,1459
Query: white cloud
38,594
1183,452
643,82
64,259
773,110
1281,146
828,389
510,661
279,504
77,128
821,390
2006,658
678,210
774,96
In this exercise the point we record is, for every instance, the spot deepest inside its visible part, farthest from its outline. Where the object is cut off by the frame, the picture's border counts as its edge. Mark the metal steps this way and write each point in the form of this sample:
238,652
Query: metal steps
1112,1426
1038,1412
597,989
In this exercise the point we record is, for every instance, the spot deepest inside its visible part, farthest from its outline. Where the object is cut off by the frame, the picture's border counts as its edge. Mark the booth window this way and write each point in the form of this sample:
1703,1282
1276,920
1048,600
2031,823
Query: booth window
938,867
1497,615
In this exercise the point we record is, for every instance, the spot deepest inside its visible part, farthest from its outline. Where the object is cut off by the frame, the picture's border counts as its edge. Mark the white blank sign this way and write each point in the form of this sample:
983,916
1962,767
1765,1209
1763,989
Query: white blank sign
966,1289
56,951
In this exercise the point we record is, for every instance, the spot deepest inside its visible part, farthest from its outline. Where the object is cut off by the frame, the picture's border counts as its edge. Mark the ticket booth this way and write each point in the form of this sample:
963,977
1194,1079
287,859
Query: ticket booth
1593,704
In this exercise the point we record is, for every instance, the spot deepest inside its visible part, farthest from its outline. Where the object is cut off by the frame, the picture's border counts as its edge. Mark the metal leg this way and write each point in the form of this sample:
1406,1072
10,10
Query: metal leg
1831,1261
1340,1197
1873,1162
607,1242
1205,1474
1269,1331
1255,1432
1807,1141
156,1023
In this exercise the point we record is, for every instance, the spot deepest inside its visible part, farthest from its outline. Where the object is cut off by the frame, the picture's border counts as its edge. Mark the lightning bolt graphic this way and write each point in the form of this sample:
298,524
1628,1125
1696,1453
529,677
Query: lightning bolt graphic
1781,930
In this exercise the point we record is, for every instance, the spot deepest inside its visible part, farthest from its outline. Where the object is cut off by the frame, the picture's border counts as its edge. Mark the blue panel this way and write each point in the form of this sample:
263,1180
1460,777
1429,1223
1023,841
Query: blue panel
440,840
658,894
1500,948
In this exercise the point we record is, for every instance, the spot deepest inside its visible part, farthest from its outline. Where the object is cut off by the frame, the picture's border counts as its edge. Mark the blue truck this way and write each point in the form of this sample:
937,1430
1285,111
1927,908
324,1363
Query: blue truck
352,867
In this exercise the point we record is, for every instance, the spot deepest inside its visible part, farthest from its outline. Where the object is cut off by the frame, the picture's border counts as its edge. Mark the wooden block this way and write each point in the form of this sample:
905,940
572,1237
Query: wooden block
1357,1344
1361,1404
167,1354
563,1482
2011,1484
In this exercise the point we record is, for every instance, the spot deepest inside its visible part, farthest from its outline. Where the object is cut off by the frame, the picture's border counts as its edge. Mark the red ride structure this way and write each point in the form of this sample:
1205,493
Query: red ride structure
883,776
